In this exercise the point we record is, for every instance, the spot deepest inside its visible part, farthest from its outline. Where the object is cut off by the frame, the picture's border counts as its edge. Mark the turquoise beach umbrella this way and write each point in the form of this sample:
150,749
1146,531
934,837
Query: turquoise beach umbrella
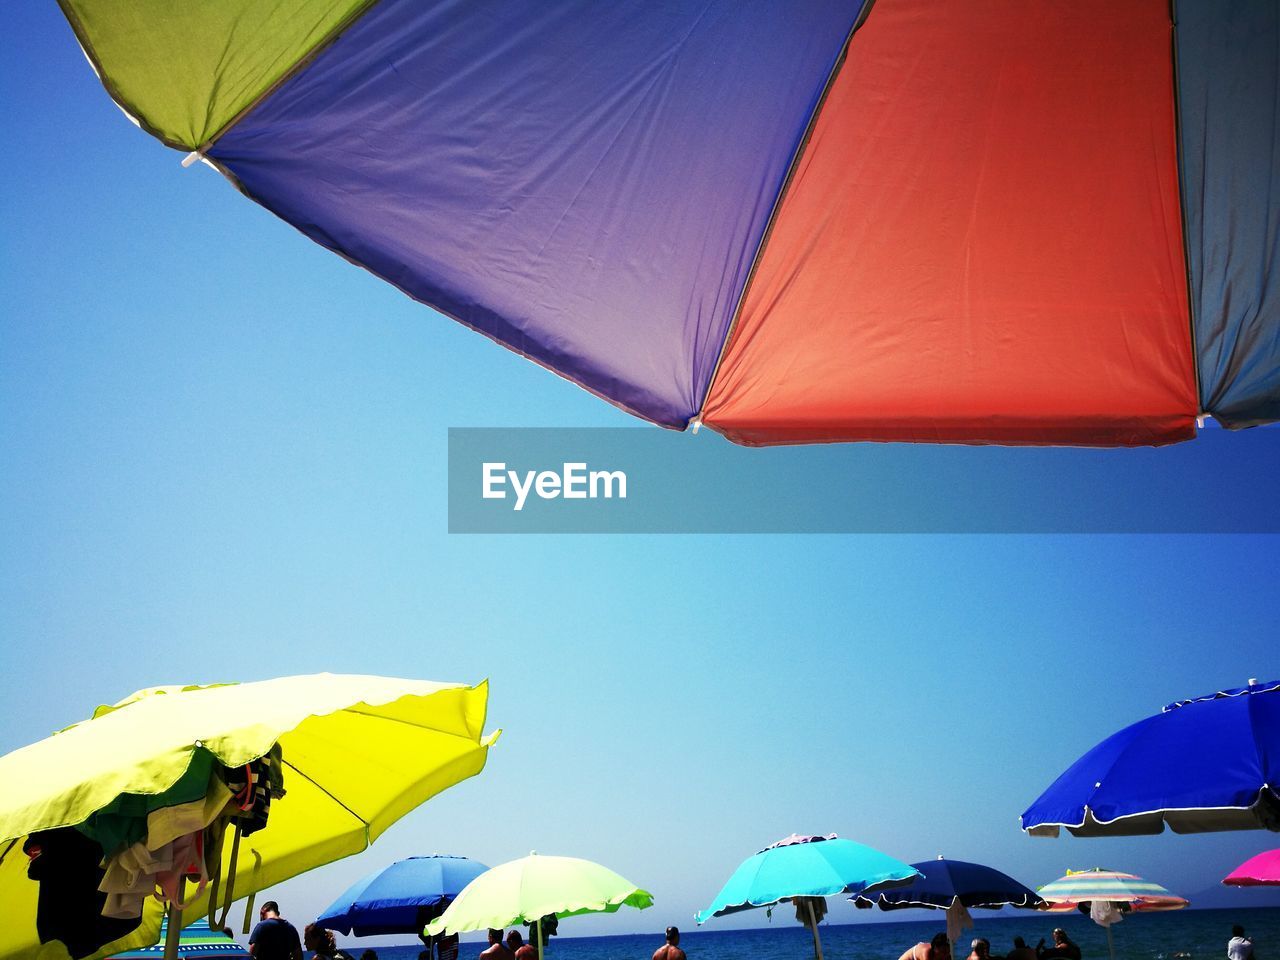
807,867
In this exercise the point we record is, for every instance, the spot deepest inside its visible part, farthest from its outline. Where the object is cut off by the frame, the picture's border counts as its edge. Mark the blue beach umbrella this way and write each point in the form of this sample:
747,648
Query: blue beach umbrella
955,886
807,867
389,900
1206,764
943,883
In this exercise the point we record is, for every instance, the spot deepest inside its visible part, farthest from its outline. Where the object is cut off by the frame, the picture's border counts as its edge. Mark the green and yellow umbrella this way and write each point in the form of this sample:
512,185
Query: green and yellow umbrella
357,753
526,890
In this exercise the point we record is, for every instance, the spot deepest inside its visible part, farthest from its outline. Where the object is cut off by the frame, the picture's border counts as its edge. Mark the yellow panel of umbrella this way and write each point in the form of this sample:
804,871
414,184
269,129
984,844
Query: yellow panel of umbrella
191,797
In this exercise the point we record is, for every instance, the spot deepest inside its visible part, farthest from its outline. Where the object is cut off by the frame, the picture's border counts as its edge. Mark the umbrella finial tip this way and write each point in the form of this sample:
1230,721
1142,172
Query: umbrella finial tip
1253,681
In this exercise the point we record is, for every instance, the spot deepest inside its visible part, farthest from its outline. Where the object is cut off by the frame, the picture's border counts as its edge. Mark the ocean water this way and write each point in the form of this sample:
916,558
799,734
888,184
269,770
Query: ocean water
1202,934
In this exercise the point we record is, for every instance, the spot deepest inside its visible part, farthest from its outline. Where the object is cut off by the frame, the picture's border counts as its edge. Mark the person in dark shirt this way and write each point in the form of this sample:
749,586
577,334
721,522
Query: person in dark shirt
274,938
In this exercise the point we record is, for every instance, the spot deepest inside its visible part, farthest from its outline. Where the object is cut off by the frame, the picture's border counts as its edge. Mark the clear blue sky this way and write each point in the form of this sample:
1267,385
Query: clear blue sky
222,456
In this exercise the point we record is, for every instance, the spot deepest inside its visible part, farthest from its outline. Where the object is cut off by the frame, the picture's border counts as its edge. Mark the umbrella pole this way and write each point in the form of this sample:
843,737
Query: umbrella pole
1111,945
172,933
538,934
817,940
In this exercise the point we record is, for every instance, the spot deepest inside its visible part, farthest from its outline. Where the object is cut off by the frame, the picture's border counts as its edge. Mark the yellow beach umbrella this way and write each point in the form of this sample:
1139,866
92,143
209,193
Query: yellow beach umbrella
358,753
533,887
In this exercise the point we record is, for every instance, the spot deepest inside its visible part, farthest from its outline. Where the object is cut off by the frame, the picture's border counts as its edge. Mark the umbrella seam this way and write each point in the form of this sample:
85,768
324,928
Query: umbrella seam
410,723
363,821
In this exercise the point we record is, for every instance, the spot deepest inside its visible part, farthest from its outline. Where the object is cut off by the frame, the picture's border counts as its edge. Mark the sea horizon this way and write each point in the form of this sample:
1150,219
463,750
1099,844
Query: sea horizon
1197,933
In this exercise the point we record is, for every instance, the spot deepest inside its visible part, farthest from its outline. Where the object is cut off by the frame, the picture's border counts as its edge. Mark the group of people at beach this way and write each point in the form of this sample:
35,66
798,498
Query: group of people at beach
275,938
939,948
510,946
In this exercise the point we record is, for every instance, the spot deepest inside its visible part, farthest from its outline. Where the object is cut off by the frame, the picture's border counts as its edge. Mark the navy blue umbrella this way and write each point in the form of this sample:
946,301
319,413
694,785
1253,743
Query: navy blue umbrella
391,900
944,882
1212,763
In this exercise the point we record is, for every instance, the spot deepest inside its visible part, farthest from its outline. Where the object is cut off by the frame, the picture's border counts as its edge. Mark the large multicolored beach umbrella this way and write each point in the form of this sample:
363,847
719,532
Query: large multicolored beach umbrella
803,868
1262,870
535,887
1206,764
1001,221
1107,895
391,900
356,753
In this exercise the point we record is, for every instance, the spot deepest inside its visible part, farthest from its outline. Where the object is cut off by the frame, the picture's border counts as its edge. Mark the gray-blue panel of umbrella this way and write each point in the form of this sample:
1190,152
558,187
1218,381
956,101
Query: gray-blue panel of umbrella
804,870
401,898
955,886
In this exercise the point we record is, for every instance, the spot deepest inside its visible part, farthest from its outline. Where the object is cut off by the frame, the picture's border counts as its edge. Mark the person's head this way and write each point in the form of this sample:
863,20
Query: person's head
980,946
495,936
940,946
269,909
317,938
1237,931
673,936
1060,935
514,940
1020,943
370,955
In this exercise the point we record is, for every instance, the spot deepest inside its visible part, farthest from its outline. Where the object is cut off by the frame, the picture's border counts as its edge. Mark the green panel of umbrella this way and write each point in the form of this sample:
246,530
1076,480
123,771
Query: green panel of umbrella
196,796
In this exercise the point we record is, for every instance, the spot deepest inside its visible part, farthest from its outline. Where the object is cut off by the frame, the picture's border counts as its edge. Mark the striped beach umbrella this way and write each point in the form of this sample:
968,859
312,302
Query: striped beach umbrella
1085,886
196,942
1107,895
